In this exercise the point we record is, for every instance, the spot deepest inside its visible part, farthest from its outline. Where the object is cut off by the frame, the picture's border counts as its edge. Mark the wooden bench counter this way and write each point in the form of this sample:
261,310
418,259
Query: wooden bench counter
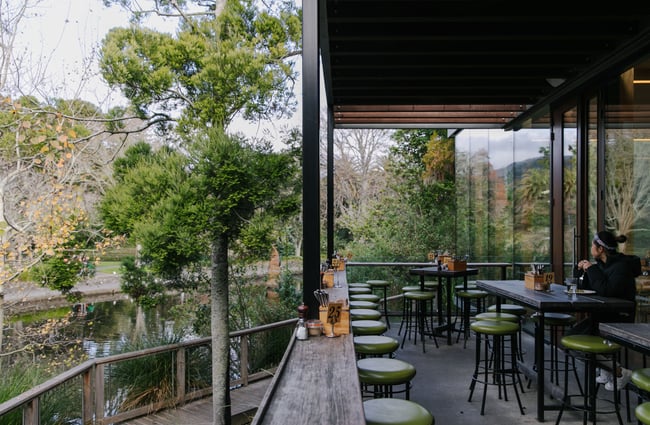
316,383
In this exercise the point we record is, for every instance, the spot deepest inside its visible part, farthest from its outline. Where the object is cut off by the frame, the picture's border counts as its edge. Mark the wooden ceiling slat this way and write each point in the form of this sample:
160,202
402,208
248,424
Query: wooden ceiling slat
469,52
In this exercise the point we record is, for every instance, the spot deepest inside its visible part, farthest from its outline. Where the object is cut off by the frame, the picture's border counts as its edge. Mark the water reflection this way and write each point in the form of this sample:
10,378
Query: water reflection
105,328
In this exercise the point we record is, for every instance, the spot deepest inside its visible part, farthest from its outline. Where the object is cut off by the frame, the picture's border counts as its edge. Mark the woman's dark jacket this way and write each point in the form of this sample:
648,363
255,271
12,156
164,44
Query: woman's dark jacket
615,278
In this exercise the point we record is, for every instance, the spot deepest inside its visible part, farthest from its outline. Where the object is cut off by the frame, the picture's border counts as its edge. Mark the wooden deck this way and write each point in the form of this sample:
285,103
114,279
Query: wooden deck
245,401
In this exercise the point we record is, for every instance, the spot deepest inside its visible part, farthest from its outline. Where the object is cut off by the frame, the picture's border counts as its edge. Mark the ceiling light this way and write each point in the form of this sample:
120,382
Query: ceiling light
555,82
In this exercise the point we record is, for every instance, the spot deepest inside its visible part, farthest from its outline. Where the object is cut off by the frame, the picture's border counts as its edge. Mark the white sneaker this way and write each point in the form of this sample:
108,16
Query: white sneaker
621,381
604,377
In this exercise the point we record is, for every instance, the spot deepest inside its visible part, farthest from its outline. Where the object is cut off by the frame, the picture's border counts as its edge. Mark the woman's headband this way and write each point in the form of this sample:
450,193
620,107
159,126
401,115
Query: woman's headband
603,244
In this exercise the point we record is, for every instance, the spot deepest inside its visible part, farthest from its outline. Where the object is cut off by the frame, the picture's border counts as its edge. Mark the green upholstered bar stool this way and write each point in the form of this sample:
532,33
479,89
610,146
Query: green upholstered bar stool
518,310
410,288
642,413
641,380
368,327
467,298
405,289
496,367
381,377
494,315
365,297
405,302
375,346
556,325
508,317
358,290
381,286
395,411
595,352
431,285
461,287
364,314
358,285
416,319
364,304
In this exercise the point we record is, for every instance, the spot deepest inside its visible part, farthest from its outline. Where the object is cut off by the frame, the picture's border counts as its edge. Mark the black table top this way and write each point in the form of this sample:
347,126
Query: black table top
633,335
437,271
554,300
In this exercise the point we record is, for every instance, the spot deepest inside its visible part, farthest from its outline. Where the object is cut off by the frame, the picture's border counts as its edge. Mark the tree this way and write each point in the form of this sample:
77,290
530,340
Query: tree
415,210
422,163
226,59
50,175
198,203
52,170
532,196
12,16
627,200
53,157
213,69
359,176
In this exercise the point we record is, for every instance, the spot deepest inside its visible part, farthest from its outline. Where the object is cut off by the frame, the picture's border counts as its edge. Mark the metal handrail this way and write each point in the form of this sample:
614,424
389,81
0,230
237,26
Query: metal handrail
91,373
501,265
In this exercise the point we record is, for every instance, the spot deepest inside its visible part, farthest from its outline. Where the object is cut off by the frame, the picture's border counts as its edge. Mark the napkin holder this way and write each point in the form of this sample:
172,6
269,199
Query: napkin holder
328,279
340,312
338,264
538,282
456,265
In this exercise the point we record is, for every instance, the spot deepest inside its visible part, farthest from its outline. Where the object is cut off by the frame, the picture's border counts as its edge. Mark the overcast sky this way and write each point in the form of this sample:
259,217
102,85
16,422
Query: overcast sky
64,34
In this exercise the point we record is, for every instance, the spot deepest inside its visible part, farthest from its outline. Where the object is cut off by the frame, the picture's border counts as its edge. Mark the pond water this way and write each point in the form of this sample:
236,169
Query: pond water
105,328
109,326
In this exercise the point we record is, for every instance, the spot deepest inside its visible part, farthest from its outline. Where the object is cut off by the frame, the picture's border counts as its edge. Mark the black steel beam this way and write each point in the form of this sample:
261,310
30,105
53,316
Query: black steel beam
310,154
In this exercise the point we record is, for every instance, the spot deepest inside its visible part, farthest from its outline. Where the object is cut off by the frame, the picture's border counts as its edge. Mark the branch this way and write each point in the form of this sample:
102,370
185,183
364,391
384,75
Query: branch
184,16
16,273
150,121
158,11
291,54
179,94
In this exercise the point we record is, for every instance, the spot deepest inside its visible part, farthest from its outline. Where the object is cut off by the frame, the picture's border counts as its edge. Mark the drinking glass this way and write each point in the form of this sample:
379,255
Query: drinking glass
571,286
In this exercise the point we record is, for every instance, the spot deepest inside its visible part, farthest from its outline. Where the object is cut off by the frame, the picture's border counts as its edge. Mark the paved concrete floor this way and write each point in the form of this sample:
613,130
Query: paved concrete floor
442,385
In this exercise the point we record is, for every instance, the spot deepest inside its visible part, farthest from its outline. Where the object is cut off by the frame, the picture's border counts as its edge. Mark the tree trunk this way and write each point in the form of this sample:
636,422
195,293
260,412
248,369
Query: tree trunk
220,332
140,328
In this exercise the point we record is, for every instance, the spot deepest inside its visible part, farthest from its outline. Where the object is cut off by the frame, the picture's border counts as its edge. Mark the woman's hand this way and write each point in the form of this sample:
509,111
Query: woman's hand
584,264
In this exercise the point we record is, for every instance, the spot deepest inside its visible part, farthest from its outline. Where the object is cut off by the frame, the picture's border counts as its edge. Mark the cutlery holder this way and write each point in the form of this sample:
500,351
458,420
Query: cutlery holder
538,282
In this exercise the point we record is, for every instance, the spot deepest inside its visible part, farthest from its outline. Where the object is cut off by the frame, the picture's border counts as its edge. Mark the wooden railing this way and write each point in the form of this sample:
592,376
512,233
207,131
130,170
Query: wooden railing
88,383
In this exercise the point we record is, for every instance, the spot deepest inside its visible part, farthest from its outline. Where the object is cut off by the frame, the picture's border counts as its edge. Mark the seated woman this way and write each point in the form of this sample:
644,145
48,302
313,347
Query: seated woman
612,275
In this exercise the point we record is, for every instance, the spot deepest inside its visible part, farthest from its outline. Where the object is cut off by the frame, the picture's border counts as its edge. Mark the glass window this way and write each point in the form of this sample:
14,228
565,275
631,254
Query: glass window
569,189
502,179
627,158
592,171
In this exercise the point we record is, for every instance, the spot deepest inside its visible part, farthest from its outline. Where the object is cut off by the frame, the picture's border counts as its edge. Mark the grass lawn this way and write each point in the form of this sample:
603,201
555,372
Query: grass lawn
109,267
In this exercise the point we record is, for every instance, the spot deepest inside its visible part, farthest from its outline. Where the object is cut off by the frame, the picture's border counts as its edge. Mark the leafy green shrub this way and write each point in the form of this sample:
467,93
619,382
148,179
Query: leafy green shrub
145,380
57,406
140,284
14,381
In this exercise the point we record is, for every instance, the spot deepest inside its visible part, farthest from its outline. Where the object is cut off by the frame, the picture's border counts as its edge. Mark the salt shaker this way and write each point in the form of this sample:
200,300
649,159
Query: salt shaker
301,331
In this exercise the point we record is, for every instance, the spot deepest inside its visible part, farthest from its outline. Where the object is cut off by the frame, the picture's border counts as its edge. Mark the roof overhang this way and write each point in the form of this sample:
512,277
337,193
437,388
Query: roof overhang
468,64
